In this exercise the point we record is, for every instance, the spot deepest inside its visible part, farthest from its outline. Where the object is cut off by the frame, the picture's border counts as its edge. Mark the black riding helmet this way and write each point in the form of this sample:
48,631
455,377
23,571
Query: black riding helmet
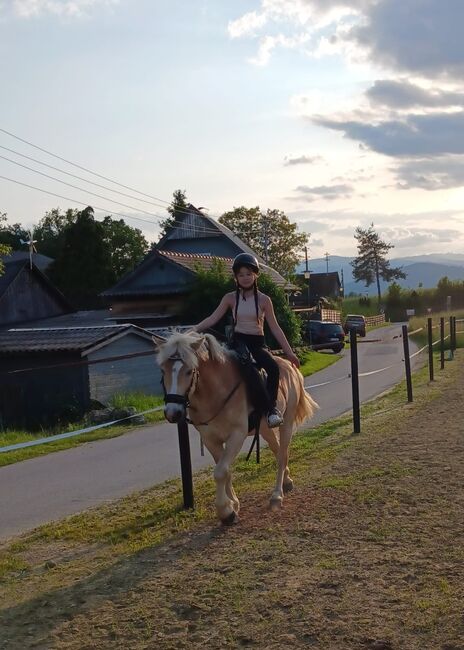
246,259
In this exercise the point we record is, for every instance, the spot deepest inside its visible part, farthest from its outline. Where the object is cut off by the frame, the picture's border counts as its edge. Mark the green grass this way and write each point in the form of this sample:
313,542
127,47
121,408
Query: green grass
421,338
140,401
352,306
312,361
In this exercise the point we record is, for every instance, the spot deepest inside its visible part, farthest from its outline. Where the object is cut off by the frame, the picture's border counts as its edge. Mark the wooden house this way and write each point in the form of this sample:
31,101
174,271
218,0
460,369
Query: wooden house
152,295
27,294
321,285
44,377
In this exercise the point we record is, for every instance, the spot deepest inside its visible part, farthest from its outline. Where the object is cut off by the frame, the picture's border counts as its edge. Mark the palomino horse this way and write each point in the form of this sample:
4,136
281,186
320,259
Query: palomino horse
201,375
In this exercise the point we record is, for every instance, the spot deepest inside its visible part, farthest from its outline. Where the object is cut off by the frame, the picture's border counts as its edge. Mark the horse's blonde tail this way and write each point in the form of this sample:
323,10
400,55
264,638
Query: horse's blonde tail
306,405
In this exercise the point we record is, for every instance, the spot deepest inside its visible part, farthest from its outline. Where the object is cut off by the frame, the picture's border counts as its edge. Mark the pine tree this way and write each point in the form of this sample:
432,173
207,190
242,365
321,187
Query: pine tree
371,263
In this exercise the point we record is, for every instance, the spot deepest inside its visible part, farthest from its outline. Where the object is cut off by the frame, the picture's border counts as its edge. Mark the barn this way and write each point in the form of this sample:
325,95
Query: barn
50,374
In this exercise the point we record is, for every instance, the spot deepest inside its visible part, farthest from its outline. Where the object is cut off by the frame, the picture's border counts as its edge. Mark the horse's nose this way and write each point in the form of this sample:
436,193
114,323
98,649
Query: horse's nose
173,412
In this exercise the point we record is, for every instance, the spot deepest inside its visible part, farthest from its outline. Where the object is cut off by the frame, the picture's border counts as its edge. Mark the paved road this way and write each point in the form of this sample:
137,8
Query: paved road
51,487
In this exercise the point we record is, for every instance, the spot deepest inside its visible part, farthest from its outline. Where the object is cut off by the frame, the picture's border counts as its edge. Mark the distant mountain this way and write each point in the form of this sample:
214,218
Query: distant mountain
426,270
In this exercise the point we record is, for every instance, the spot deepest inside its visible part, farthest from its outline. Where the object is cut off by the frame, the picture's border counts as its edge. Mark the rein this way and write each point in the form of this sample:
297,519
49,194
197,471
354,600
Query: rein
229,396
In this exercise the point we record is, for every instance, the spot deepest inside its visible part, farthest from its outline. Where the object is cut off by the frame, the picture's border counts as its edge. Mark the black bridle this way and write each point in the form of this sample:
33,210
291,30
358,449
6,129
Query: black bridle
175,398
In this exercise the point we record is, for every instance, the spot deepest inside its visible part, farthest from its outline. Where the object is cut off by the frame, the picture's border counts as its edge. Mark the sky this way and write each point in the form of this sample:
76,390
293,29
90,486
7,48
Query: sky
341,113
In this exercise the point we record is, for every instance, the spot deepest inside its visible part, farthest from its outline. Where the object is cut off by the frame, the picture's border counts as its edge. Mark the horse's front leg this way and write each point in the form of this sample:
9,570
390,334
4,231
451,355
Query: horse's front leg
227,504
283,480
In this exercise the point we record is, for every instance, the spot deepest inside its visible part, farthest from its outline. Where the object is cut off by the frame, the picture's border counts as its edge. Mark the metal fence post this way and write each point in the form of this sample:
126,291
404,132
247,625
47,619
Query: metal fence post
430,342
442,343
407,362
185,463
451,338
355,381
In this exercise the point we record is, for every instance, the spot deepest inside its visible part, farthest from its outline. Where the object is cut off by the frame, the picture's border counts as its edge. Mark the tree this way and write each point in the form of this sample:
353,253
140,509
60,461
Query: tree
126,245
50,230
4,250
82,268
177,208
12,233
371,263
270,234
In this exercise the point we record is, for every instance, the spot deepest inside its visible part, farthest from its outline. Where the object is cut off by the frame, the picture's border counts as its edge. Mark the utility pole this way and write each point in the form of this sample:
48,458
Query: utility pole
327,256
307,275
343,285
266,239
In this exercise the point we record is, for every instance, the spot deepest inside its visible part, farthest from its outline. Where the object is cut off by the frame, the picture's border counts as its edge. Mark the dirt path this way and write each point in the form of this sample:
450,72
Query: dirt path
368,554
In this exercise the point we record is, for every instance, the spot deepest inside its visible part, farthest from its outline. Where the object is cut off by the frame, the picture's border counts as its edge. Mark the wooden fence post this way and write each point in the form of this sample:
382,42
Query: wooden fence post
355,381
430,342
407,362
442,343
185,464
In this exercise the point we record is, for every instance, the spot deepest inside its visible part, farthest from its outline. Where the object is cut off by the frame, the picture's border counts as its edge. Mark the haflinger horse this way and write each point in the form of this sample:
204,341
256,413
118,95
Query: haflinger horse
200,375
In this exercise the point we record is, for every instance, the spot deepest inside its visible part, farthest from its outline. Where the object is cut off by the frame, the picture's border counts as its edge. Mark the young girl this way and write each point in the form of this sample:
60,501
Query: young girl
249,308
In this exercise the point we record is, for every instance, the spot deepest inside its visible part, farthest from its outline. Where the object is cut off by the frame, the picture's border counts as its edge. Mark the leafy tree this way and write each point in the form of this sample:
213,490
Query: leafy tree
12,233
50,230
126,245
270,234
177,208
4,250
209,287
371,263
82,268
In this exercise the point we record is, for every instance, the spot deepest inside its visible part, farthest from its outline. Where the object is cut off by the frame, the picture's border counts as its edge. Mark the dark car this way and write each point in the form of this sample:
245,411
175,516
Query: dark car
355,322
323,335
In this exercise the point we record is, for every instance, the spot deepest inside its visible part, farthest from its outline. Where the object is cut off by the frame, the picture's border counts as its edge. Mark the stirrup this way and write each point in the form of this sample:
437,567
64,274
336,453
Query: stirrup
274,418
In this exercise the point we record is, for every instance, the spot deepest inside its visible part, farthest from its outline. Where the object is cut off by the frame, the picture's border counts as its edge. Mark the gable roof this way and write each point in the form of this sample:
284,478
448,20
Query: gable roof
64,339
188,262
193,223
12,270
42,262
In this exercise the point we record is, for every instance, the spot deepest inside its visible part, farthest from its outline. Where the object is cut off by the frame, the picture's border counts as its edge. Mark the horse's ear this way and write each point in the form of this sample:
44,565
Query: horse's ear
198,343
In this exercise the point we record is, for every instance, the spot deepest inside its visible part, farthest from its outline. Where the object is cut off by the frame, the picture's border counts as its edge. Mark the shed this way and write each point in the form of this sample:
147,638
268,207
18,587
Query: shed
27,294
45,377
321,285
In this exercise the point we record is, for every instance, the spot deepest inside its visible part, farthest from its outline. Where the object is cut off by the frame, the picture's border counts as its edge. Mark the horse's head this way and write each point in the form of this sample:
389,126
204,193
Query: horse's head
178,359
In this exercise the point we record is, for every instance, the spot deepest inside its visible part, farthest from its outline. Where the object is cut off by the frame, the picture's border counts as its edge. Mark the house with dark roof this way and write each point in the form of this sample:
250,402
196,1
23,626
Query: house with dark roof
152,294
321,285
48,374
27,294
196,232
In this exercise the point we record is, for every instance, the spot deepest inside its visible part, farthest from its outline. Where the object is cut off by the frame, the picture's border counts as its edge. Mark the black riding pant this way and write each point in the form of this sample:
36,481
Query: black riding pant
264,359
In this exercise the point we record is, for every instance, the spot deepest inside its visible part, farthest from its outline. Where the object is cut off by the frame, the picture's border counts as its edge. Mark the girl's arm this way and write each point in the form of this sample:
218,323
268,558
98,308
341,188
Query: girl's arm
216,316
278,333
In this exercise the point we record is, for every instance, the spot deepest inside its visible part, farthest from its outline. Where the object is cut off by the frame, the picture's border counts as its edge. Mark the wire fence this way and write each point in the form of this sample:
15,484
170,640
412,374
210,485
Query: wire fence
126,419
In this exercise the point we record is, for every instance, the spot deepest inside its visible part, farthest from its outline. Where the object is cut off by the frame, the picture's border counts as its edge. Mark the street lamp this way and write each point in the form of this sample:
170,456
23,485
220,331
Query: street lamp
306,274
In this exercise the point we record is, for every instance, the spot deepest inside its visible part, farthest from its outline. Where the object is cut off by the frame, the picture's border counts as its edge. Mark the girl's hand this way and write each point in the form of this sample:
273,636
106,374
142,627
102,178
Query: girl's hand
291,356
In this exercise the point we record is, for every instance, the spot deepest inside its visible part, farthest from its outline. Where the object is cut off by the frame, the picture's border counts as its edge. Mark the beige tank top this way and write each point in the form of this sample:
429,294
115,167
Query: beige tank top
246,316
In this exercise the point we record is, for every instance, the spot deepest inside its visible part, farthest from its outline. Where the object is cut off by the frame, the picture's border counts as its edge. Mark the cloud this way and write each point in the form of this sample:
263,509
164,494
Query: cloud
328,192
248,24
69,8
431,174
420,36
415,135
403,94
301,160
413,238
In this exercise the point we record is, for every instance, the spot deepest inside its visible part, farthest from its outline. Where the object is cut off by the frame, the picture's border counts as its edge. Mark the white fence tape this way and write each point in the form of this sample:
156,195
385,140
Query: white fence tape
71,434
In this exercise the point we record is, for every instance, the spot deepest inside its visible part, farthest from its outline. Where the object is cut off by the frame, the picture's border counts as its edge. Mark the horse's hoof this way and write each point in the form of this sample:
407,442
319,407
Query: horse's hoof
288,486
230,520
276,503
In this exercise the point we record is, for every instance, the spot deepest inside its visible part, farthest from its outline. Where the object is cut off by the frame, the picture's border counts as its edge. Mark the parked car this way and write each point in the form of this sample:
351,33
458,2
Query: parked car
324,335
356,322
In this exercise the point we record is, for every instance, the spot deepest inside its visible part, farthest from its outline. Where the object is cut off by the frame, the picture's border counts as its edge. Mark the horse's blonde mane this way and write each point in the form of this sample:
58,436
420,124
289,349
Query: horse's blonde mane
191,347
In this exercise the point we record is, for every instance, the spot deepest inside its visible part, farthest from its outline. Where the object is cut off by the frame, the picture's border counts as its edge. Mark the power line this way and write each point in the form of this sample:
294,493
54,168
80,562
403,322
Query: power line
62,171
107,210
85,169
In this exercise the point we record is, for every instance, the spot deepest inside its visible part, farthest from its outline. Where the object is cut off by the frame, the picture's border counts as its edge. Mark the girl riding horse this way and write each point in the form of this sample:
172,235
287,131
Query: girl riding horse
250,307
